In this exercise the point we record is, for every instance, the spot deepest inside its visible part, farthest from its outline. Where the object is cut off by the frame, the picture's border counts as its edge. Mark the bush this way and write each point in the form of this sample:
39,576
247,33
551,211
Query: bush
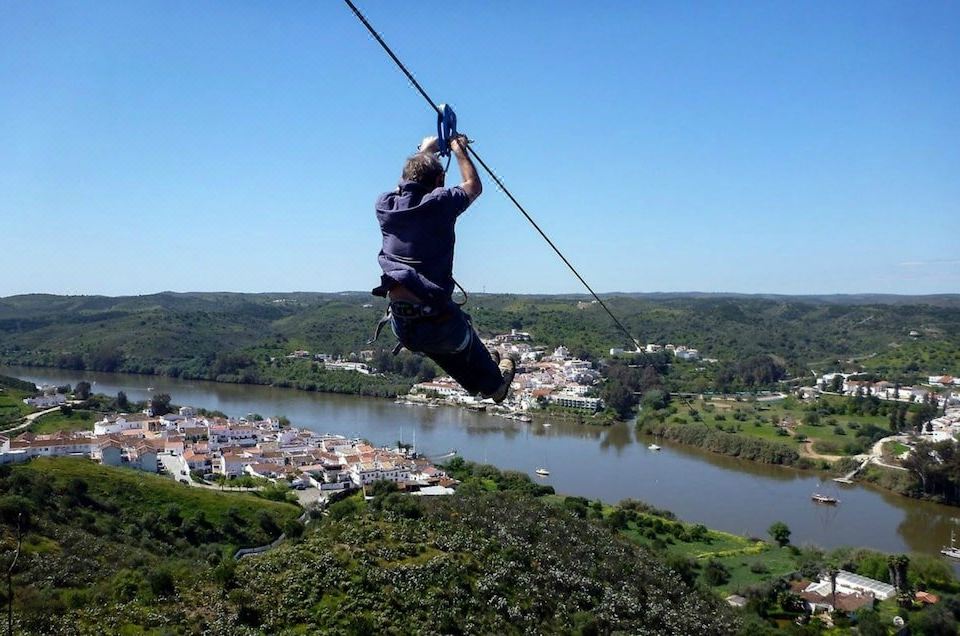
161,582
759,567
716,573
293,528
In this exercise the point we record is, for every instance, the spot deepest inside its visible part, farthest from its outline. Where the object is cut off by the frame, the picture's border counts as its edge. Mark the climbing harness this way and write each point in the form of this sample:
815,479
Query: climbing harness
443,113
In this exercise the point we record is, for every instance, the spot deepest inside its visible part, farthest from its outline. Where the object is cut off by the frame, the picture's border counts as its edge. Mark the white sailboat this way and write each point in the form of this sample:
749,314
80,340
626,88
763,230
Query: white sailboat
653,447
542,470
821,498
953,551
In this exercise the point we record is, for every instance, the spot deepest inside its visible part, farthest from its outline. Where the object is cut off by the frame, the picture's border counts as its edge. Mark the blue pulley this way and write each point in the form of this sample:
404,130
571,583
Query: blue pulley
446,128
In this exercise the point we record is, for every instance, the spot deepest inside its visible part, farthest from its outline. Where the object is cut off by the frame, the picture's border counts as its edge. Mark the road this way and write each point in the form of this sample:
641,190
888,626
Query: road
29,419
177,467
876,453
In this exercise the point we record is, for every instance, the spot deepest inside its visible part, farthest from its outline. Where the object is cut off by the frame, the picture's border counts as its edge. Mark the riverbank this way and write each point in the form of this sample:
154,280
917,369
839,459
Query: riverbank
301,375
611,463
736,567
867,444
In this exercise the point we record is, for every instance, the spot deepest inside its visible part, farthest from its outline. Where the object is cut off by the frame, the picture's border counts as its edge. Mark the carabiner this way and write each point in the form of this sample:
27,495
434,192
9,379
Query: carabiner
446,128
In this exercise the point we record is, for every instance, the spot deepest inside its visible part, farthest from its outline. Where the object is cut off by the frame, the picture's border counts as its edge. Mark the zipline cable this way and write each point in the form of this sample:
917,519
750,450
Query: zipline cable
490,172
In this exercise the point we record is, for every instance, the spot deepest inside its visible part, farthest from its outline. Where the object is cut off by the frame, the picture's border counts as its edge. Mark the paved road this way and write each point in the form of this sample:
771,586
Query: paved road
29,419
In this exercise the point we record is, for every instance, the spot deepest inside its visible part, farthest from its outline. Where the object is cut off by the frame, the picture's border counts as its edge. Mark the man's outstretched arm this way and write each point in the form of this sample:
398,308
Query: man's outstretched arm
471,180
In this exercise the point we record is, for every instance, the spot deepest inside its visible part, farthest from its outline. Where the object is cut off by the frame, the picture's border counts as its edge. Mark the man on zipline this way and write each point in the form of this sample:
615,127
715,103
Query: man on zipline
417,222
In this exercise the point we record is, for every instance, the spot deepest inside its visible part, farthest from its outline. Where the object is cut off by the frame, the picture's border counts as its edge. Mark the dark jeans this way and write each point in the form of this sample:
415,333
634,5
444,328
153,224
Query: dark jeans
452,343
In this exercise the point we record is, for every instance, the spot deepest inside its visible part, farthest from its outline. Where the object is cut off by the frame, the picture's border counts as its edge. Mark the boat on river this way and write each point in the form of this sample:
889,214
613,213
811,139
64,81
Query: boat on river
953,551
824,499
543,472
653,447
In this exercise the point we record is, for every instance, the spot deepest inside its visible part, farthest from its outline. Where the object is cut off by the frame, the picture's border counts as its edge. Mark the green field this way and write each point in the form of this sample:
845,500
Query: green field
738,554
831,435
53,422
698,545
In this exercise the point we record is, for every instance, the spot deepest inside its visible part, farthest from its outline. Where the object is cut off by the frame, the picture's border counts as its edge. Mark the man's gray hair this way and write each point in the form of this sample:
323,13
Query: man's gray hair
424,168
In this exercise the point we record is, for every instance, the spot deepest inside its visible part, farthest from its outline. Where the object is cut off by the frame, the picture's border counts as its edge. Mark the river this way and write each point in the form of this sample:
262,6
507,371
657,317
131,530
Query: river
594,462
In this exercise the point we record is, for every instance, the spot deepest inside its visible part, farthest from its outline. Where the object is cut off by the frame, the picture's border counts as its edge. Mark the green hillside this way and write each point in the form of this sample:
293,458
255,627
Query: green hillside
12,393
96,537
114,551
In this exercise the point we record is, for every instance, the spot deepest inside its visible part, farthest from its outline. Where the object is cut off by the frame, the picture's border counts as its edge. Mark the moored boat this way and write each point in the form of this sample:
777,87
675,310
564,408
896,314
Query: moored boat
543,472
653,447
953,551
824,499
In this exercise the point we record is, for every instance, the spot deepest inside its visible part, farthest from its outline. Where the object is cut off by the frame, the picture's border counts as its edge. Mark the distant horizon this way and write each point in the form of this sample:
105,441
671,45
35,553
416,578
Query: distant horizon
491,293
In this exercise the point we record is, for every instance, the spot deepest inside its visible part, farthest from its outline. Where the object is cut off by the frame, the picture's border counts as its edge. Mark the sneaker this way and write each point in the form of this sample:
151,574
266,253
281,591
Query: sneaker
507,370
495,354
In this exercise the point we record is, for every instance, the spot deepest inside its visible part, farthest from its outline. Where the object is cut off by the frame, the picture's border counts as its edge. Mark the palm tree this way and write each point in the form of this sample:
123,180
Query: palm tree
832,573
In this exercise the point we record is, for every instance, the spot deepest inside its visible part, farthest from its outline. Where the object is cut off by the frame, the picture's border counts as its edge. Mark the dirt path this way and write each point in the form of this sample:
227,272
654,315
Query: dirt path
806,450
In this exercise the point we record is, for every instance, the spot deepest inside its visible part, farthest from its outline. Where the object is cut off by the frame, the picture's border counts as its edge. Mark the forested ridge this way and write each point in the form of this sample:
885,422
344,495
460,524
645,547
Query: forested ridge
233,337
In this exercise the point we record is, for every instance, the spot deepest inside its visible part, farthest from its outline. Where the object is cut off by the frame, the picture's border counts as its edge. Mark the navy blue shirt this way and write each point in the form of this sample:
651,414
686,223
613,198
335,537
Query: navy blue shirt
417,225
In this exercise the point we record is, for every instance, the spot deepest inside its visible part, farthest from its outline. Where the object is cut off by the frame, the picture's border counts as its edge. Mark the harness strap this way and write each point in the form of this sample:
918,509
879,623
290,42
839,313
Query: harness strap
376,332
466,296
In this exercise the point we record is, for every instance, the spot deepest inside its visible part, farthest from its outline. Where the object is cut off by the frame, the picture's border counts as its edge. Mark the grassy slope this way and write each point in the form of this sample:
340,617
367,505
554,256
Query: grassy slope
12,394
106,549
77,421
12,408
137,492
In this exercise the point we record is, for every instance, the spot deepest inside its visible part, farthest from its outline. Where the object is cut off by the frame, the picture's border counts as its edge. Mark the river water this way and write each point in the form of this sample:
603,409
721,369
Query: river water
606,463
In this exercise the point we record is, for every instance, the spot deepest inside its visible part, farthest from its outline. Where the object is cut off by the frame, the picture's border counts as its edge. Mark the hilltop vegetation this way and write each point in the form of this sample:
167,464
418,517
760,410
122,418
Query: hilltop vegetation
116,541
232,337
114,551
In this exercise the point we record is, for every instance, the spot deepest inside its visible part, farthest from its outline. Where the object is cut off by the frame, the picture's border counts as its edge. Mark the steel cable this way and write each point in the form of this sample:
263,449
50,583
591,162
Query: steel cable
490,172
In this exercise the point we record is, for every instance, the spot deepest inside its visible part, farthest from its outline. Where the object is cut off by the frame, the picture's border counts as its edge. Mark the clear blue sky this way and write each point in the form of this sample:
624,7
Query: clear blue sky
791,147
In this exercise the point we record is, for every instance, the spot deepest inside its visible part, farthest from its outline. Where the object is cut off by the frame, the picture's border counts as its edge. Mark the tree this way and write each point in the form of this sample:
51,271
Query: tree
934,621
898,564
869,623
618,397
780,533
656,400
832,572
122,402
82,390
836,384
160,404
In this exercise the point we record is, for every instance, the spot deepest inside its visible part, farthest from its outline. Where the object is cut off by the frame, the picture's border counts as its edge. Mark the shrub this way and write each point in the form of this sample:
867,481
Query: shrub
759,567
716,573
